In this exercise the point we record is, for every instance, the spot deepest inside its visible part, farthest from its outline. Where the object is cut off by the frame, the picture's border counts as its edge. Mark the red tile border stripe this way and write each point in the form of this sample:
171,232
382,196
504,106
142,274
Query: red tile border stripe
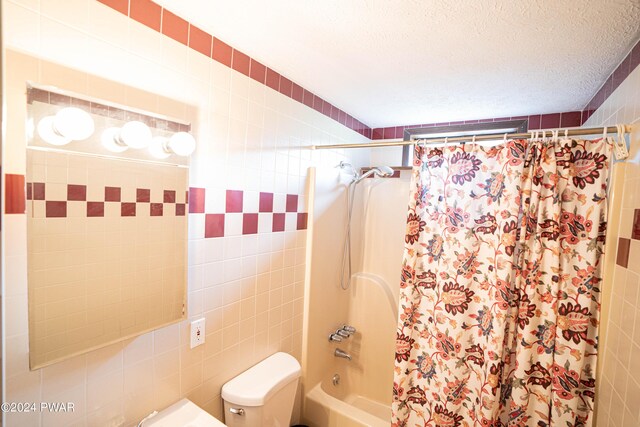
15,194
535,121
165,22
250,220
35,192
622,71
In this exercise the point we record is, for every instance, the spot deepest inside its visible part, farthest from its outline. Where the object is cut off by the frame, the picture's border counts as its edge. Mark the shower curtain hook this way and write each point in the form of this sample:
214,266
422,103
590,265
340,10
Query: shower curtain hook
620,145
473,139
504,139
566,133
555,135
605,129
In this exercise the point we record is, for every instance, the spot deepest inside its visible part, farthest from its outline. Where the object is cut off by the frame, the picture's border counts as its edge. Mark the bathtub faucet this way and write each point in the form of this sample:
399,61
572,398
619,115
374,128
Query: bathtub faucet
342,354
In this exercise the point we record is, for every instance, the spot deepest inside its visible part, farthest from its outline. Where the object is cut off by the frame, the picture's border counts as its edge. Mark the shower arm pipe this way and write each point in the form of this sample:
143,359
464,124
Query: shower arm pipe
470,138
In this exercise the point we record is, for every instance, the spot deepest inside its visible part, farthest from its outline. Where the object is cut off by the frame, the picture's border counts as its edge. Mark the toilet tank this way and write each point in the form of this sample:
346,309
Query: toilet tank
263,395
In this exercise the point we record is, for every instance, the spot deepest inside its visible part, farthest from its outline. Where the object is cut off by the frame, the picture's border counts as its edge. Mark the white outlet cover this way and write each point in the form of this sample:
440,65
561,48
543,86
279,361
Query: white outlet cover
197,332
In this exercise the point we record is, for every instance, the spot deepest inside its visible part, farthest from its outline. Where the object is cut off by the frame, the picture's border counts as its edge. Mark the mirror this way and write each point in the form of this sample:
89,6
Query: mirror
106,223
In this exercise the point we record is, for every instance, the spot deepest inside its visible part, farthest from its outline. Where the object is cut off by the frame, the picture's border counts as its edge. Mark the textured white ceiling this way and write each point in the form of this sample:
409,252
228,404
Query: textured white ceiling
394,62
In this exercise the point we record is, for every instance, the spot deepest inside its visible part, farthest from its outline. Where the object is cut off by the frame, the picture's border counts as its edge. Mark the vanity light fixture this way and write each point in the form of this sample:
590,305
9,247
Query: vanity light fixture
69,124
134,134
158,149
108,140
182,143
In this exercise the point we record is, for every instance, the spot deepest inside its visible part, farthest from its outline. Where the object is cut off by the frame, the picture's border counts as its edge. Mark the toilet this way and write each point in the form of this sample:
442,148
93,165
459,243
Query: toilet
263,395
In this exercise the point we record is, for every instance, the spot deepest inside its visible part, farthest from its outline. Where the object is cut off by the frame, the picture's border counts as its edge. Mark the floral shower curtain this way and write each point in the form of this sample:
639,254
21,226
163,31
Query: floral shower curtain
500,285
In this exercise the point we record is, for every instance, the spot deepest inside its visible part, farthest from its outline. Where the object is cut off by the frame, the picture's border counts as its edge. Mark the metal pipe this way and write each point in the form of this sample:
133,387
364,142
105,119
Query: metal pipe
469,138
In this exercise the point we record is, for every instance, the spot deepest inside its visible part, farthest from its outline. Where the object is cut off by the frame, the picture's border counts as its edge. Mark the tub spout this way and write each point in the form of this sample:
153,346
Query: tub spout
342,354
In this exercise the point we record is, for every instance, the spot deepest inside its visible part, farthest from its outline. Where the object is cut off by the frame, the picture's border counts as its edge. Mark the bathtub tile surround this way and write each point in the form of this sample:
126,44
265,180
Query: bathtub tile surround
618,388
248,287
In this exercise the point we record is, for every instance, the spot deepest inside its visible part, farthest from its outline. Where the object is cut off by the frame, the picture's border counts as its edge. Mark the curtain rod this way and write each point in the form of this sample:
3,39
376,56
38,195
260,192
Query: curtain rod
469,138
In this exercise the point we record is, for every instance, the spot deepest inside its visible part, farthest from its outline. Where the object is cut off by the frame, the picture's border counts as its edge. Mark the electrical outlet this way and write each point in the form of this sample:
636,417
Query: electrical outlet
197,332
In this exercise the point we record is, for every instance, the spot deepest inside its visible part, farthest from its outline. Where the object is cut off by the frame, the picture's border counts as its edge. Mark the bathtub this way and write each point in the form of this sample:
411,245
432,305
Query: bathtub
324,409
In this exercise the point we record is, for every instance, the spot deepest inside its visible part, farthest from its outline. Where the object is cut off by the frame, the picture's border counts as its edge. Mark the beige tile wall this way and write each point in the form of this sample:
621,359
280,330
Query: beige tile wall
249,288
618,391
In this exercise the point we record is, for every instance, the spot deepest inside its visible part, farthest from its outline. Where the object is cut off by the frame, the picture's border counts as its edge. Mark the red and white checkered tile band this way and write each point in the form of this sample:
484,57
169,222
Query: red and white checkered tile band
269,212
249,213
36,192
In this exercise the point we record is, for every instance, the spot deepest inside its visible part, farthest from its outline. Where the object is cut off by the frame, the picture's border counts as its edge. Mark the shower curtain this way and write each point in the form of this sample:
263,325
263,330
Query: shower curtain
500,285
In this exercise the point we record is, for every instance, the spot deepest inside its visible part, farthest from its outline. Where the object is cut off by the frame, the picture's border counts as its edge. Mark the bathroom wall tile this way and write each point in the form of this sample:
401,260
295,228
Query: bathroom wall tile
272,122
250,223
15,194
257,71
146,12
240,62
620,341
196,200
635,228
175,27
222,52
273,79
200,40
121,6
623,252
234,201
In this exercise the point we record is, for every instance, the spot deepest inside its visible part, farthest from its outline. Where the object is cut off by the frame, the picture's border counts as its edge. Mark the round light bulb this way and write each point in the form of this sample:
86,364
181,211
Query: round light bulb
48,134
182,143
157,147
135,134
73,123
108,140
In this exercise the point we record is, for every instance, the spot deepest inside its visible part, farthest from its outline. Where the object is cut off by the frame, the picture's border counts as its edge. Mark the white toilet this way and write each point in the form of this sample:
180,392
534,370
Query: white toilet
182,413
263,395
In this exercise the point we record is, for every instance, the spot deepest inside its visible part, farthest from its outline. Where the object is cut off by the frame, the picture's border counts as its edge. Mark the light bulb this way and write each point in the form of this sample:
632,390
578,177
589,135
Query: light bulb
73,123
47,132
157,147
134,134
108,139
182,143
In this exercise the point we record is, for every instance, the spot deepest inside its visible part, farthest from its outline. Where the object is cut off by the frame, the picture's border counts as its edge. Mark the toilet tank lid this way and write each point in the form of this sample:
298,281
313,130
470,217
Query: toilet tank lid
256,385
183,413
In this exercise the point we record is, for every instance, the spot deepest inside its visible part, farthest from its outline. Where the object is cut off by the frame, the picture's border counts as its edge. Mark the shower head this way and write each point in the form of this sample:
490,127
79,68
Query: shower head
384,171
380,171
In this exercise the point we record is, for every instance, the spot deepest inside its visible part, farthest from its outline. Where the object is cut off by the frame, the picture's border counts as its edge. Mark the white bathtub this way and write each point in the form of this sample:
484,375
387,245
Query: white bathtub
324,410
